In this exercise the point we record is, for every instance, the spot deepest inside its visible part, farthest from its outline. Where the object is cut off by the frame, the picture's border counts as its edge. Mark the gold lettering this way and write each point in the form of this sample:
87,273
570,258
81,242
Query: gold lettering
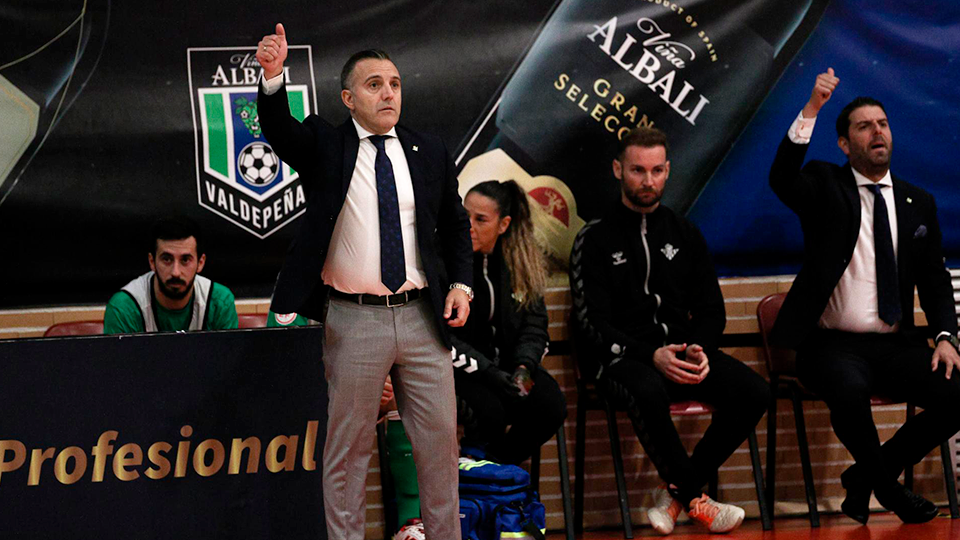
19,455
573,92
310,445
561,81
100,453
129,455
236,454
183,453
156,456
79,461
601,88
617,100
608,121
199,457
289,445
37,457
583,101
597,113
631,114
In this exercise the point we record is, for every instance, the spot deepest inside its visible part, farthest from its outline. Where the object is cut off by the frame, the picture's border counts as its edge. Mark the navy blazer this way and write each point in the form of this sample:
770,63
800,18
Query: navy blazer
325,157
826,199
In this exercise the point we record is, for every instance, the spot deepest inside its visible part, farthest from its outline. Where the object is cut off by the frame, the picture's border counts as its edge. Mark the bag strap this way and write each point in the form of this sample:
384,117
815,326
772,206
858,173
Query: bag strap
533,530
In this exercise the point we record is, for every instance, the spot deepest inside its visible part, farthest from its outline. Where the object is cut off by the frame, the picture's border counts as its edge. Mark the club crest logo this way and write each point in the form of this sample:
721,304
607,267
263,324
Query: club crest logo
239,175
669,251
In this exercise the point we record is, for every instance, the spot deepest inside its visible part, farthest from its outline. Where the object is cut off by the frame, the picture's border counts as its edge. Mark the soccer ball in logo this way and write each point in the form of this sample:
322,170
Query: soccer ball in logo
257,164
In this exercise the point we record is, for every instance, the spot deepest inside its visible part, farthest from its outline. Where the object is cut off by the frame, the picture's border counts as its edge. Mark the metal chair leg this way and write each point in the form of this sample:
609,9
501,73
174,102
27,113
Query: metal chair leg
772,446
805,459
765,518
578,465
565,482
908,472
618,469
951,481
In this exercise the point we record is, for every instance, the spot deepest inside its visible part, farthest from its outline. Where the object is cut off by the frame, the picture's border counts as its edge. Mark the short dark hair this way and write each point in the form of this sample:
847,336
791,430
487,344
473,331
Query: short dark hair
843,120
646,137
368,54
175,228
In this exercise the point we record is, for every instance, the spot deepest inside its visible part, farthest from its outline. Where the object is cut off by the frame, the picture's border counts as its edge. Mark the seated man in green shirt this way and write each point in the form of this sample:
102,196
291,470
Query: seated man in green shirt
172,297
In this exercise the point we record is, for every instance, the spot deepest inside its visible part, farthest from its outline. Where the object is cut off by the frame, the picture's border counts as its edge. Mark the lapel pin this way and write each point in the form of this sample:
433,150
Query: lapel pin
416,148
909,200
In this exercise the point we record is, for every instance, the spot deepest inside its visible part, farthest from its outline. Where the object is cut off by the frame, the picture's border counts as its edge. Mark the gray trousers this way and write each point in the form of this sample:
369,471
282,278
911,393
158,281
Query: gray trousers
362,344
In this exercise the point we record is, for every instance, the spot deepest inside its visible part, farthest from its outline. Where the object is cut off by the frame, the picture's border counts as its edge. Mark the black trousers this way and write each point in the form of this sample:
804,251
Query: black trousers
533,420
738,393
846,369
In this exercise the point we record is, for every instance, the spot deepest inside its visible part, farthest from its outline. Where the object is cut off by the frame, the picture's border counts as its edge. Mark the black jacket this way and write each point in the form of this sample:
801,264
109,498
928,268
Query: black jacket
826,199
641,281
513,336
325,157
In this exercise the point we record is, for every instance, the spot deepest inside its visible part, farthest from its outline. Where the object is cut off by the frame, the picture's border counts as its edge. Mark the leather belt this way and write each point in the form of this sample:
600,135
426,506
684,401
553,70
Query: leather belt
388,300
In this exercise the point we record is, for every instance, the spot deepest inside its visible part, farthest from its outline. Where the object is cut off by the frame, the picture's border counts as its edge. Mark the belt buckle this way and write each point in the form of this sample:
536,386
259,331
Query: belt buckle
404,301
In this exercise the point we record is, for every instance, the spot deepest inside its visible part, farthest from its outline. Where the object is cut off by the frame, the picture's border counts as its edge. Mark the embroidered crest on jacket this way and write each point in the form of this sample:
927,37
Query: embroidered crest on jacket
669,251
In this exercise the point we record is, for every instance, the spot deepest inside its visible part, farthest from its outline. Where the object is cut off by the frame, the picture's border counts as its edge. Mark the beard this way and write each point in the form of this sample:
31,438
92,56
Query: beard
166,288
644,198
869,161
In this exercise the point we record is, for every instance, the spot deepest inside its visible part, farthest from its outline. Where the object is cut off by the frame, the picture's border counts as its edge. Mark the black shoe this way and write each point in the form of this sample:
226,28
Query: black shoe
856,505
908,506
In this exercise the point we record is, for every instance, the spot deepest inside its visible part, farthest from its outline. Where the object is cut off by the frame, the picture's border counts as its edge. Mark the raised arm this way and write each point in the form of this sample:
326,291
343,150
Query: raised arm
291,139
786,180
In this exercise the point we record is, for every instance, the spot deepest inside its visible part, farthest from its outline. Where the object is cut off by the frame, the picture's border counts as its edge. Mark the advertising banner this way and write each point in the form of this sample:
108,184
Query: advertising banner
115,114
198,435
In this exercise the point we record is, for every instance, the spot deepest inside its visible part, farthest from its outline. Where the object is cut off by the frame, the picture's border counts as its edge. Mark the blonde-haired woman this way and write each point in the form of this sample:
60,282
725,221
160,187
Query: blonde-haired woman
509,405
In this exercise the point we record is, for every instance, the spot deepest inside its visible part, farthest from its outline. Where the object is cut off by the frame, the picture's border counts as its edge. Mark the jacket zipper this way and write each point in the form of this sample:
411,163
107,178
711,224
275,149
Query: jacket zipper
486,277
646,280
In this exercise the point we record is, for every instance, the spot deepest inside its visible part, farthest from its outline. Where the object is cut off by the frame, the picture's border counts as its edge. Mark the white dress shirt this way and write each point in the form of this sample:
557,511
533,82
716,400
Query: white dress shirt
353,259
853,304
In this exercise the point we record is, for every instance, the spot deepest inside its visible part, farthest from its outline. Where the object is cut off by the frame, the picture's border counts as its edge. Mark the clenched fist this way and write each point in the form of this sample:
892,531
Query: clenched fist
823,88
272,51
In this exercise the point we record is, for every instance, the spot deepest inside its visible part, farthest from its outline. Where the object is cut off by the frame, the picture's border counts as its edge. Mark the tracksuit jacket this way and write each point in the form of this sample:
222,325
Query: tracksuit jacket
639,282
497,333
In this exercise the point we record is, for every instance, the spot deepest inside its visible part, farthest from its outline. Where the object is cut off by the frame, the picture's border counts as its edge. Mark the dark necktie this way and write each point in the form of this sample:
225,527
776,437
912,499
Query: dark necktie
393,273
888,287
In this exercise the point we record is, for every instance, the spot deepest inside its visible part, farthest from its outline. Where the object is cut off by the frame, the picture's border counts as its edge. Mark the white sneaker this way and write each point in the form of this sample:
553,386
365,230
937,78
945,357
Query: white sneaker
663,514
718,517
413,530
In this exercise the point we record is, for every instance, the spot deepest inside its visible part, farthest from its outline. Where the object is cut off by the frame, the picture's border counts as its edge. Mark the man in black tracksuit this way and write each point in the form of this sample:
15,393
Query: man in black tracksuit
650,314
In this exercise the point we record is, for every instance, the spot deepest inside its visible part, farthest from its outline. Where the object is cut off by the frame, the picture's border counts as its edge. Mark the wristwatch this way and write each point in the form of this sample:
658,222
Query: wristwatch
463,287
952,339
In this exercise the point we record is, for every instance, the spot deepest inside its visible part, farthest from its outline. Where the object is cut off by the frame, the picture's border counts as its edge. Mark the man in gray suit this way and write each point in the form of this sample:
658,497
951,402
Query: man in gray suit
384,247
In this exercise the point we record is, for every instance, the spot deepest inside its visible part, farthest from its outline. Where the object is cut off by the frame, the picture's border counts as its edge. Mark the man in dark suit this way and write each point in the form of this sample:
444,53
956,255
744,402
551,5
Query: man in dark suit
869,239
384,227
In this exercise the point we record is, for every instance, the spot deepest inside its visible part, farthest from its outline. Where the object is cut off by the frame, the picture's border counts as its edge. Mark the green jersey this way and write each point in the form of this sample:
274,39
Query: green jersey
123,315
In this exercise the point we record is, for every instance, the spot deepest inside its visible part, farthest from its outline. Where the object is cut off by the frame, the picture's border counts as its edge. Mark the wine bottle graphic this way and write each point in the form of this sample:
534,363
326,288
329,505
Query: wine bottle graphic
697,70
43,68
